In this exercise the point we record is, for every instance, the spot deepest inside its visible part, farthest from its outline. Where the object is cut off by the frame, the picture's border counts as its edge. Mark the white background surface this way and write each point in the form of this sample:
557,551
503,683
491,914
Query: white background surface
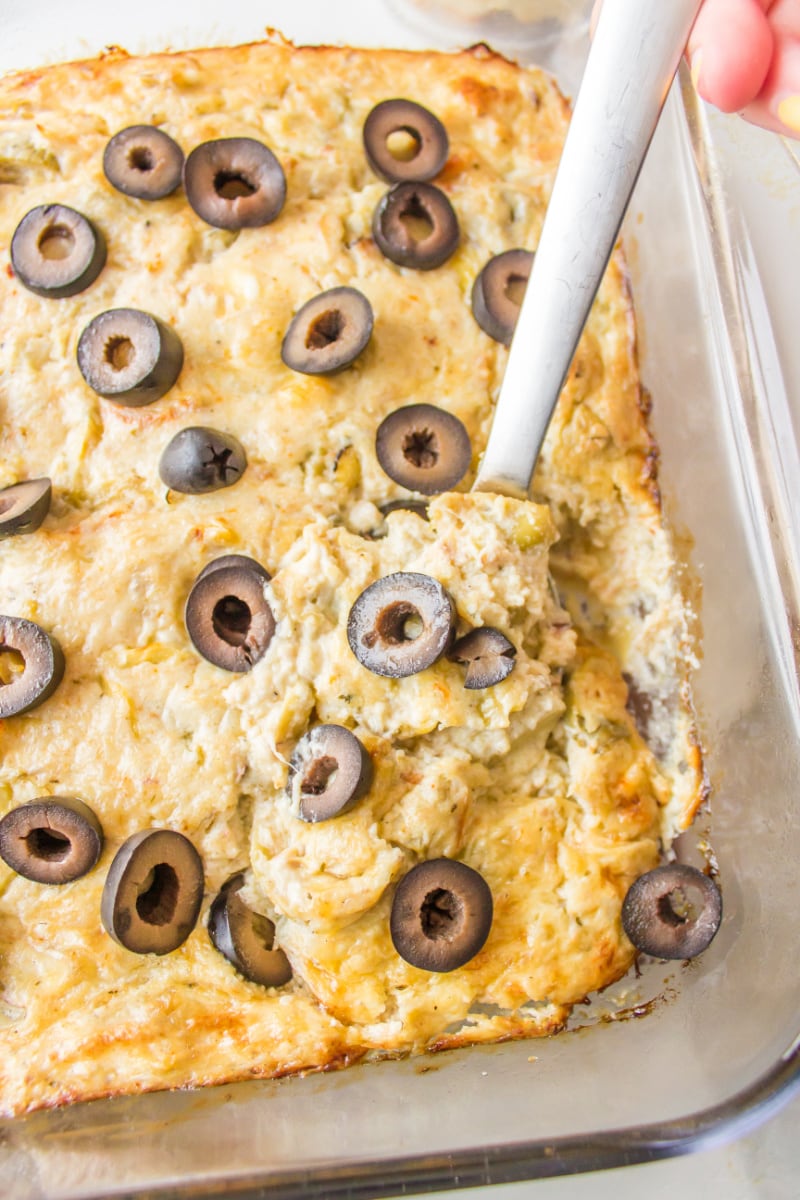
764,1165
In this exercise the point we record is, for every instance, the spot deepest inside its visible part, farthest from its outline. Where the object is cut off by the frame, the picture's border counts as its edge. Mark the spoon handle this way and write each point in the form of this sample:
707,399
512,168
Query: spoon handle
635,53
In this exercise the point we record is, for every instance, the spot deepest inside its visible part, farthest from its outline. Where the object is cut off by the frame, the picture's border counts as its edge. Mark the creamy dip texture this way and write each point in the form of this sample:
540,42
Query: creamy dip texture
542,782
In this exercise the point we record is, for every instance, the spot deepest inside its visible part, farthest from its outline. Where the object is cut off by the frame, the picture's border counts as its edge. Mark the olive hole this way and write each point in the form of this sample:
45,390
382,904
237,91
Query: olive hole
263,929
141,158
119,352
47,845
5,505
416,219
231,620
404,144
232,184
412,628
515,289
156,903
56,242
12,664
399,623
326,330
319,776
219,461
440,915
676,908
421,448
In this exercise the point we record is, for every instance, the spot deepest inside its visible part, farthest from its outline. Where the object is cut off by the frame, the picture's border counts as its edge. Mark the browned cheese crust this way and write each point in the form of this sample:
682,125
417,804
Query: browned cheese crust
542,782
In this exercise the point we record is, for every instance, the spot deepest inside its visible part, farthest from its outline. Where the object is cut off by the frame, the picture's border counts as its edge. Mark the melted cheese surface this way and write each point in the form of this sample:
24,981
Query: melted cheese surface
542,783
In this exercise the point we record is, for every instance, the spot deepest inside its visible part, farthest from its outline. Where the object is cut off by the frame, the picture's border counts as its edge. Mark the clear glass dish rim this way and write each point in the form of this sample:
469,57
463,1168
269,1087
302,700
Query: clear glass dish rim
516,1163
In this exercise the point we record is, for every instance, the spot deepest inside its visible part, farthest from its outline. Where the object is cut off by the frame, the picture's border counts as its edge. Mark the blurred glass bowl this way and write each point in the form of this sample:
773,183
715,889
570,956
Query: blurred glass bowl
551,33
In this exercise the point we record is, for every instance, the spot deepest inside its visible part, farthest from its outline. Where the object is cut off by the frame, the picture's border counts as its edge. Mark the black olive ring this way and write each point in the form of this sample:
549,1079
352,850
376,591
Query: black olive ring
129,356
330,770
401,624
51,840
428,142
487,654
56,251
415,225
234,183
423,448
673,911
441,915
42,665
496,301
153,892
198,460
144,162
23,506
227,615
328,332
246,938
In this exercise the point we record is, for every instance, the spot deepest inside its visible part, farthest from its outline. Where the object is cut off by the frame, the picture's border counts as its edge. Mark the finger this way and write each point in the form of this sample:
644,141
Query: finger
730,50
777,105
784,17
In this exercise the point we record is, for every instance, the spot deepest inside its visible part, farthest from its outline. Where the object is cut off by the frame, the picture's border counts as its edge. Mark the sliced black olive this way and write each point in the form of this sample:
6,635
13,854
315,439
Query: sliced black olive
415,225
153,891
56,251
330,771
35,662
497,293
419,507
441,915
235,560
246,938
51,840
404,142
401,624
24,506
199,460
328,332
640,706
673,911
423,448
234,183
129,356
489,656
228,618
144,162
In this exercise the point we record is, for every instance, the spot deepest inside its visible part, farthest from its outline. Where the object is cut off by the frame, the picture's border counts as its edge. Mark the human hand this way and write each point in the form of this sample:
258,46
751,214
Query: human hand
745,57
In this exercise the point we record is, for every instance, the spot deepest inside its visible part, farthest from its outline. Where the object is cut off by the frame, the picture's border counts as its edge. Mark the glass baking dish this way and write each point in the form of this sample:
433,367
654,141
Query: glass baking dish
717,1048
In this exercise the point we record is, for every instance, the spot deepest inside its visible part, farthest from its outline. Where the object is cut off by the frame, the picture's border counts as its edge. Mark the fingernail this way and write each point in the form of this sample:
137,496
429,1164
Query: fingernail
788,112
695,63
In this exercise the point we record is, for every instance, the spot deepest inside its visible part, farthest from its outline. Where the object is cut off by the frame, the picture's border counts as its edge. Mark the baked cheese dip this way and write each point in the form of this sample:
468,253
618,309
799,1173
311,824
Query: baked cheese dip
308,753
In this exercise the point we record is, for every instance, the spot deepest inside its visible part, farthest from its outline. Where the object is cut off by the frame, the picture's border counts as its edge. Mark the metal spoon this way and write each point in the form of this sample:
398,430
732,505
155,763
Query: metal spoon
635,53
